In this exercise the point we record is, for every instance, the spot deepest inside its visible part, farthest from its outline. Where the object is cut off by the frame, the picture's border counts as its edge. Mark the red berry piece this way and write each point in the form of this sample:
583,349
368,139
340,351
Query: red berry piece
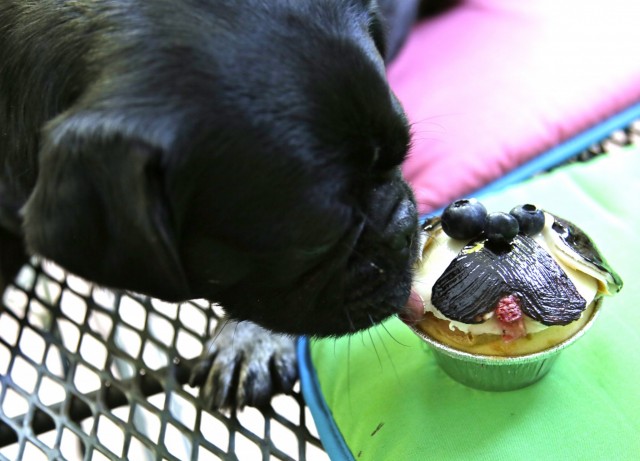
508,310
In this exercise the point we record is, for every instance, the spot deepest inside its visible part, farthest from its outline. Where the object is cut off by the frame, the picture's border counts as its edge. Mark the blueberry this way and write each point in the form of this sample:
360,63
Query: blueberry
530,218
500,227
464,219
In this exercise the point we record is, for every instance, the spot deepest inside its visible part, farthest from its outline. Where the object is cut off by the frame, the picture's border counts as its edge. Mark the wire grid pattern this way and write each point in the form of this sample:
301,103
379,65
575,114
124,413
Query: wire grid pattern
90,374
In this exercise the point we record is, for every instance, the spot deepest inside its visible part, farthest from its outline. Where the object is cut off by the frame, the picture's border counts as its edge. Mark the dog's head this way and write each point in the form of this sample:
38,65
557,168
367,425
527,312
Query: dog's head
246,156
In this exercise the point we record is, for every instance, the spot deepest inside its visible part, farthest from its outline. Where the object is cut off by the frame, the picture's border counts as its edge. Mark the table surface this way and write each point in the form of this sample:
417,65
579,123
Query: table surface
91,374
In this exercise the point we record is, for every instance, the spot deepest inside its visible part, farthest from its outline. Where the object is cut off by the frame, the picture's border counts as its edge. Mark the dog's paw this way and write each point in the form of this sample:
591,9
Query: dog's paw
244,364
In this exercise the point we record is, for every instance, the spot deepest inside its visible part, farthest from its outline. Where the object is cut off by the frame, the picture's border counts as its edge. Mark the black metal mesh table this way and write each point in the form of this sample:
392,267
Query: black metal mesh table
91,374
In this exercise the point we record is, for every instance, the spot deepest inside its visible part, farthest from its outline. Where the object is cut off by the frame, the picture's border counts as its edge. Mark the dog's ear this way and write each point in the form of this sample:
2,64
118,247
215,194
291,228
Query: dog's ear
99,210
390,23
377,23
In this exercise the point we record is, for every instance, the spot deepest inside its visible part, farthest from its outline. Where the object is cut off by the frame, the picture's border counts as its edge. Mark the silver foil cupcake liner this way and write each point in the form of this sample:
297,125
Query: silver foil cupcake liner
496,373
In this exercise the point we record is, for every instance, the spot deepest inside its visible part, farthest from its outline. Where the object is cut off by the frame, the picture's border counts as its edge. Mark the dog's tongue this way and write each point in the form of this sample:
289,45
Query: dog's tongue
413,311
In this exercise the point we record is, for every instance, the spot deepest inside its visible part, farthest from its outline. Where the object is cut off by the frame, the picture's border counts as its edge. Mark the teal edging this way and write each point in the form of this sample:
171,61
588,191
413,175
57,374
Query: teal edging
558,154
332,440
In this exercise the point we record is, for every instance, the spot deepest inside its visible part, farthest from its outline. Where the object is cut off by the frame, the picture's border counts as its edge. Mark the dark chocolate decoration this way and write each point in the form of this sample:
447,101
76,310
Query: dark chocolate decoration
580,242
482,273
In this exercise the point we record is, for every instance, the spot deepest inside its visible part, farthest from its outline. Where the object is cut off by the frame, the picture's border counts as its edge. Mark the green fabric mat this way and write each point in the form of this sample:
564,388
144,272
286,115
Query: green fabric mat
390,400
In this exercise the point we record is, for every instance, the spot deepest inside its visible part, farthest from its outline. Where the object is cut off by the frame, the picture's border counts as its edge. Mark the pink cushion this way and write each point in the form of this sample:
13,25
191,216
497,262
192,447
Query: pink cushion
491,84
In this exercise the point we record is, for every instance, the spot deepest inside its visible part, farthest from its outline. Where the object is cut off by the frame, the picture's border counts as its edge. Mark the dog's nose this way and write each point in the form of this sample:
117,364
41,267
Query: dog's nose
401,241
402,227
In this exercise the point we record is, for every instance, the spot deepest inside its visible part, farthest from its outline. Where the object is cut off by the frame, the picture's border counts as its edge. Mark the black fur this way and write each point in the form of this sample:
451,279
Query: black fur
242,151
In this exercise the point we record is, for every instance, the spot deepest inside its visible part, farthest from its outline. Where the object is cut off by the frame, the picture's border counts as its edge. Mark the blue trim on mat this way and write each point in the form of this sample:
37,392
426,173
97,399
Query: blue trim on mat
564,151
332,440
558,154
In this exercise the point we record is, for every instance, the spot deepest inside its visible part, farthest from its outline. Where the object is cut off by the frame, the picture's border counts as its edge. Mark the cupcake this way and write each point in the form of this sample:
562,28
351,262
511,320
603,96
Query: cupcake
505,292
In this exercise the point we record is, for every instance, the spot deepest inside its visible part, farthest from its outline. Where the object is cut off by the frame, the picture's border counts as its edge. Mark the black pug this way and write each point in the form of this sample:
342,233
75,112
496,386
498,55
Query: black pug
242,151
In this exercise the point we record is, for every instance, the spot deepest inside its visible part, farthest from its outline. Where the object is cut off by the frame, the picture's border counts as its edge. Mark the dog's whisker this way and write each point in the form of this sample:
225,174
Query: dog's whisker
373,343
349,374
431,121
391,336
350,247
373,322
375,266
393,365
235,331
355,251
351,324
218,331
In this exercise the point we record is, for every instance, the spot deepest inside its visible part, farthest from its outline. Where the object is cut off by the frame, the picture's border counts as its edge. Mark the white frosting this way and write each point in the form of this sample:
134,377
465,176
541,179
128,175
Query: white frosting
440,250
